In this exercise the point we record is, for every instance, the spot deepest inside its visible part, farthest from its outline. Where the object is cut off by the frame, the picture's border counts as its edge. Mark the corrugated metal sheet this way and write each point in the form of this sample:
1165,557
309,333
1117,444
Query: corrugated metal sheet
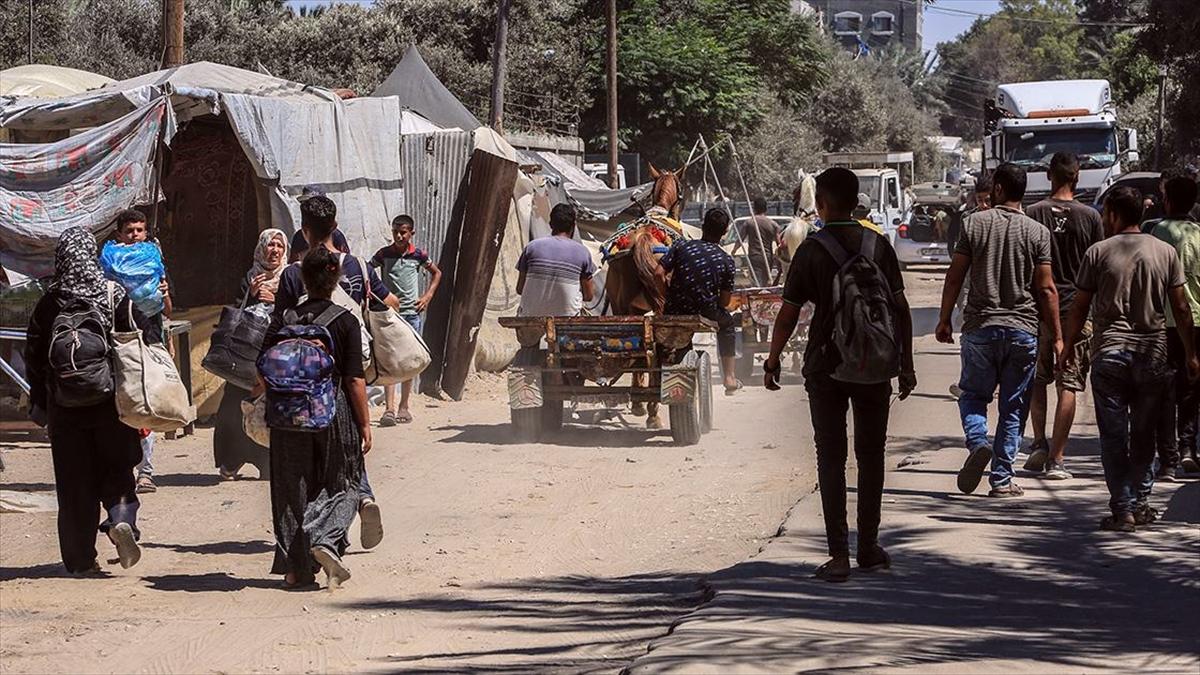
434,165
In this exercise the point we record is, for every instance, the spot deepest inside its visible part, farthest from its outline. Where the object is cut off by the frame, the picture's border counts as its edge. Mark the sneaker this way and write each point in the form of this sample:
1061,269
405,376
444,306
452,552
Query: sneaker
1039,452
145,485
370,523
1010,490
1056,471
388,419
1144,514
1189,465
128,551
956,391
1119,523
1165,474
972,470
336,572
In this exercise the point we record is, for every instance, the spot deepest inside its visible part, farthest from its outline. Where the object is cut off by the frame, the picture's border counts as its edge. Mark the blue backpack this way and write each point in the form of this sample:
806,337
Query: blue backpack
298,371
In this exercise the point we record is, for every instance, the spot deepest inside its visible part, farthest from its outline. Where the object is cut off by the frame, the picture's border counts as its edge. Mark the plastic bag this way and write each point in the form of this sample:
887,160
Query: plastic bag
139,269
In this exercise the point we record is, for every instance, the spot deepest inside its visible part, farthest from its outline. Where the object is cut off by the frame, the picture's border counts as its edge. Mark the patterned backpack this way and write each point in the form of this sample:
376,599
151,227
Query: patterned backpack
298,370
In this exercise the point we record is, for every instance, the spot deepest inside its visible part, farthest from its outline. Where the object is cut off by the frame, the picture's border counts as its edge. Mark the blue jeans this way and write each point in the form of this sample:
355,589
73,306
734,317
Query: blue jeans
1130,391
996,356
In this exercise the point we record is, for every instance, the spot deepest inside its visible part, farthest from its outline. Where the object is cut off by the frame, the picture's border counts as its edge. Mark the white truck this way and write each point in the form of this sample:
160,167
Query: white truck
879,177
1028,122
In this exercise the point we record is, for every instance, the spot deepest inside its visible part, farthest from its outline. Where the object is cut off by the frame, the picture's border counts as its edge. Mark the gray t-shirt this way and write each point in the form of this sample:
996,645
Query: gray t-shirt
1128,276
1005,247
553,268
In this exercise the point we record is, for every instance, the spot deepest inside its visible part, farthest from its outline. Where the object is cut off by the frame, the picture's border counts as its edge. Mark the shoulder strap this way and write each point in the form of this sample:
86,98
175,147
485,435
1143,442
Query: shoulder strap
830,244
330,314
867,250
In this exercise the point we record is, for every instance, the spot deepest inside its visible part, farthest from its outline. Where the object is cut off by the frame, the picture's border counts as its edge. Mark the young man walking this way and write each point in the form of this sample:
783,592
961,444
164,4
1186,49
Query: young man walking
1183,234
1128,281
1073,227
846,247
758,234
1007,256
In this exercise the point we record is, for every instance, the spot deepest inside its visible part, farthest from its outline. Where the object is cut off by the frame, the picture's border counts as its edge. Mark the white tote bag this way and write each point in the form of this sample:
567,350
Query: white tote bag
400,353
150,394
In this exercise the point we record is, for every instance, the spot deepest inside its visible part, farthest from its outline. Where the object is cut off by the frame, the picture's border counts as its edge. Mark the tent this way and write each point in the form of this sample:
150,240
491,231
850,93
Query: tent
420,90
42,81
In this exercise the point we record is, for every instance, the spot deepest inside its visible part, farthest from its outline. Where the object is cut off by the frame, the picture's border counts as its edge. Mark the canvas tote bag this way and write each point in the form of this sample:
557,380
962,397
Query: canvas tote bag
254,420
149,393
235,345
399,352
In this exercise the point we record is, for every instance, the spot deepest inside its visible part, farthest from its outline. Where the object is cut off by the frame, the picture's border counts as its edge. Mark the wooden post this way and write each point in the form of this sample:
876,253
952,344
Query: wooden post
499,65
172,33
31,32
613,145
1162,111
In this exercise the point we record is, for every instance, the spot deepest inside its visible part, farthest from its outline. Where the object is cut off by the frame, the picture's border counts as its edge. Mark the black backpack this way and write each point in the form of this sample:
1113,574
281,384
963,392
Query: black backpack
80,356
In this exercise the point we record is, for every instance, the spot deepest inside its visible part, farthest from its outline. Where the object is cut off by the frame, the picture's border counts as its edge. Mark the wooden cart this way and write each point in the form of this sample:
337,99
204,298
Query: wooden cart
583,359
759,308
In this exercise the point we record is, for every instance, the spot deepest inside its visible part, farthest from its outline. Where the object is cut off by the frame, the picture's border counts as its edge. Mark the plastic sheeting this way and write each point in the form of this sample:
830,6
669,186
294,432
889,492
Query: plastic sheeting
349,149
420,90
42,81
83,181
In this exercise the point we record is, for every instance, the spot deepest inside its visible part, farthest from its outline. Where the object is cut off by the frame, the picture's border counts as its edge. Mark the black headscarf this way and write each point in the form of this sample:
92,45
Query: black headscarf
77,273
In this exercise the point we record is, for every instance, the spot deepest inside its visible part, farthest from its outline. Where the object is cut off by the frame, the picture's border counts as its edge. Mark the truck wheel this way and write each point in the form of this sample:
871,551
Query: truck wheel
705,392
527,424
685,423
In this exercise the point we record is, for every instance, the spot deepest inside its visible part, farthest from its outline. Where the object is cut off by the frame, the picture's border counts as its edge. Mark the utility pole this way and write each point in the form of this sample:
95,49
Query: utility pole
172,33
613,148
1162,111
31,32
499,65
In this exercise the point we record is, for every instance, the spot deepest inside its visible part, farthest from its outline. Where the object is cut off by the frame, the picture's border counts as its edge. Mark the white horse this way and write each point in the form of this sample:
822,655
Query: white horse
804,212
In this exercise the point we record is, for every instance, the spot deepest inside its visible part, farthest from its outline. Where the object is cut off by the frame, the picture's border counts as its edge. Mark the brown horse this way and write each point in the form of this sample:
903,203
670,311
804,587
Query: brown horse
632,284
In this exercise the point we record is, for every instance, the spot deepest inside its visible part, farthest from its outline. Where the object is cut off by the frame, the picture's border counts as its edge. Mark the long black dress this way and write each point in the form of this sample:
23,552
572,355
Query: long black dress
232,448
315,477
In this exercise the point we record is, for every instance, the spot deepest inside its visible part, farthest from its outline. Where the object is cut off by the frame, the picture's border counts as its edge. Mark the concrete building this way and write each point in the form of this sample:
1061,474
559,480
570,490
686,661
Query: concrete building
872,24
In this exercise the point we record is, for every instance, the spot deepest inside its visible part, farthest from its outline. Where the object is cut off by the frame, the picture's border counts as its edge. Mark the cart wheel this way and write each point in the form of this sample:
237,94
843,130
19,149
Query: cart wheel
685,417
705,393
527,423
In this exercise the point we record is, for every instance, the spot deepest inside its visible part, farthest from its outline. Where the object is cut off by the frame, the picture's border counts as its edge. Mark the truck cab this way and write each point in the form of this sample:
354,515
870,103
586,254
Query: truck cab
1030,121
880,177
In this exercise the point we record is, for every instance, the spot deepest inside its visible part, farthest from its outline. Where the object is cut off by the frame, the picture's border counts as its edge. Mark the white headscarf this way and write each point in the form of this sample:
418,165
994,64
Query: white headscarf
260,259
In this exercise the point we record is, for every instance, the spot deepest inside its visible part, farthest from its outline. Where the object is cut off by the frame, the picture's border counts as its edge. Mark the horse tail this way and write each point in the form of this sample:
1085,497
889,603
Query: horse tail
647,266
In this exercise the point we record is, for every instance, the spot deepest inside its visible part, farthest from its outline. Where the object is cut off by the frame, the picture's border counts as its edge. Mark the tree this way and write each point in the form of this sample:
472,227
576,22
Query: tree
1173,39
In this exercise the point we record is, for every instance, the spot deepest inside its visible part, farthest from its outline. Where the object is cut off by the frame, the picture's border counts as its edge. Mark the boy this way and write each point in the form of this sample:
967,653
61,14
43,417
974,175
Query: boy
131,229
400,265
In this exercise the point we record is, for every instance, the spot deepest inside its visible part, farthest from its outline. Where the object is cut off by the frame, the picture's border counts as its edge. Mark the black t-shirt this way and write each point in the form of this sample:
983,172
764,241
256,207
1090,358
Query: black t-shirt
1074,227
810,279
347,338
701,271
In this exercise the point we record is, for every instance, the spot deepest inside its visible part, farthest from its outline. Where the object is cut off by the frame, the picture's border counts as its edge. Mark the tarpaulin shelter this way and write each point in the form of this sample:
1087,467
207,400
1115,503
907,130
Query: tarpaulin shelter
415,85
42,81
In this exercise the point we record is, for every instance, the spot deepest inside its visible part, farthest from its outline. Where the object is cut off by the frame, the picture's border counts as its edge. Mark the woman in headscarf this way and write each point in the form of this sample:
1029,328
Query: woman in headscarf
232,448
94,452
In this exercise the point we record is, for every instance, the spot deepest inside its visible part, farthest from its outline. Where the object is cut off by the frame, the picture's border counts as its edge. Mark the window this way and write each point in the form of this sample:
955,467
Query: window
847,23
883,23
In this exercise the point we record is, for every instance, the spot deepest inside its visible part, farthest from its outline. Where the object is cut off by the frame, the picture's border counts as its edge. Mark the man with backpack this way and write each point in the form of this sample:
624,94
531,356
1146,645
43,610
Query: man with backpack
1007,255
860,338
69,361
356,282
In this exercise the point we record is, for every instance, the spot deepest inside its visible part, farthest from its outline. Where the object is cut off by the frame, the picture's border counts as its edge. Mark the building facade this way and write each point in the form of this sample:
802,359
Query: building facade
871,25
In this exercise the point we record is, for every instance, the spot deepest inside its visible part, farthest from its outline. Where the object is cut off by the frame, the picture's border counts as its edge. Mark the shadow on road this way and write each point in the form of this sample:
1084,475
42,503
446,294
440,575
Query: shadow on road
571,435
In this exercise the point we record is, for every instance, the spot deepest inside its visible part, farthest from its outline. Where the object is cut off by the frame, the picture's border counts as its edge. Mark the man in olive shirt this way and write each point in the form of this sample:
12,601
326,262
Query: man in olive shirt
1180,231
1007,256
1127,281
1074,227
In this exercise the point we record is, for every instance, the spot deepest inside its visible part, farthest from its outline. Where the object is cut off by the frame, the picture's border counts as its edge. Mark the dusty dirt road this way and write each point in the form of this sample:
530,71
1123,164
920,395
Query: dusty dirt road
569,555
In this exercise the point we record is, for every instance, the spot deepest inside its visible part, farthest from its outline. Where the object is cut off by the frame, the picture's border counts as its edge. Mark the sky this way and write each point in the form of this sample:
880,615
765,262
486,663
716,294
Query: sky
940,25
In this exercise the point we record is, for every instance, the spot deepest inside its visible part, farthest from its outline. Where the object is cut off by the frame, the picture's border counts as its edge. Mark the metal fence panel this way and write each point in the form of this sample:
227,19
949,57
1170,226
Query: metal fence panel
434,165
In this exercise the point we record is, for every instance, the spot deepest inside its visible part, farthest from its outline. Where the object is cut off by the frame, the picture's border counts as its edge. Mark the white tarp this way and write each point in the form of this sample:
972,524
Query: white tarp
84,180
42,81
349,149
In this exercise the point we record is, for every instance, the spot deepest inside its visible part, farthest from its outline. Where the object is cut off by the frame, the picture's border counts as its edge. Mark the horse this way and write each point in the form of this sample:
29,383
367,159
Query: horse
803,213
632,284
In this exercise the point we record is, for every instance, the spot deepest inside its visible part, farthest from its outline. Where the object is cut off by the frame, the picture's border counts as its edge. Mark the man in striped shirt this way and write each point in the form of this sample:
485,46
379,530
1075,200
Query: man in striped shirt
556,271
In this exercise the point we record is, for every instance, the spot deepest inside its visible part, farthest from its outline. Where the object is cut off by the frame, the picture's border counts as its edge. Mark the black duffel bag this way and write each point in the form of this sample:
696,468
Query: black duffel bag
235,345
